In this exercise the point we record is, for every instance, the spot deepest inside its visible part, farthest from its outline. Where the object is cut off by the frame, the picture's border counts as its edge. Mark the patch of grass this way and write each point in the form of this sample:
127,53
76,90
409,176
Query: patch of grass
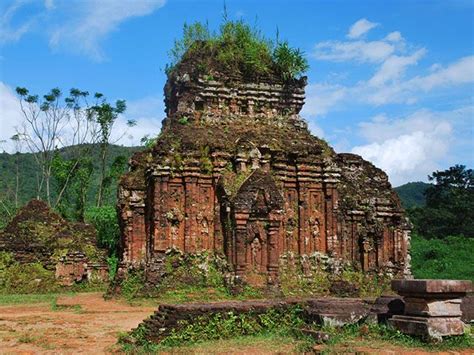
19,278
318,275
381,336
261,343
26,339
448,258
192,293
8,299
76,308
94,285
229,325
183,121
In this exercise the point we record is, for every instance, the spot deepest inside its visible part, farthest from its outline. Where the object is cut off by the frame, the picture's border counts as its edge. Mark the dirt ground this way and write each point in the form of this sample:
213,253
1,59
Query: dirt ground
80,324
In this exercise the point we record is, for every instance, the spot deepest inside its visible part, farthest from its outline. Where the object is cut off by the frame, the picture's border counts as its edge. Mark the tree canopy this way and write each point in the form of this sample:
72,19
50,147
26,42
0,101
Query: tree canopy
449,204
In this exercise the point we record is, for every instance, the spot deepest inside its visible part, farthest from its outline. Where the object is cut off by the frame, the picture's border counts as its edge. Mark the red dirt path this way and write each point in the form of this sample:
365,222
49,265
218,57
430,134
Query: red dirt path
90,329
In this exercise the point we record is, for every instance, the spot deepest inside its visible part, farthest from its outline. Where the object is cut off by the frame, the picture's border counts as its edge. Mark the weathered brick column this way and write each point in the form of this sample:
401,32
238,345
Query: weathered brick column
432,307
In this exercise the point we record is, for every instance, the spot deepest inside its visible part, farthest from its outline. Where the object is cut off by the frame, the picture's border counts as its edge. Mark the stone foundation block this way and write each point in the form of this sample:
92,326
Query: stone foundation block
433,308
434,328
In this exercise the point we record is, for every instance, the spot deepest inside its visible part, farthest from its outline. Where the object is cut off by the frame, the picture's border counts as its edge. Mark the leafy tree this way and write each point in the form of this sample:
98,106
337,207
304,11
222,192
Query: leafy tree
105,221
51,123
449,204
115,171
74,202
18,145
106,116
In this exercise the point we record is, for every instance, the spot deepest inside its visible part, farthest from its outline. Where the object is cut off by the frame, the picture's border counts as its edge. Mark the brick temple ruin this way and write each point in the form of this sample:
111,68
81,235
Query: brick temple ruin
236,171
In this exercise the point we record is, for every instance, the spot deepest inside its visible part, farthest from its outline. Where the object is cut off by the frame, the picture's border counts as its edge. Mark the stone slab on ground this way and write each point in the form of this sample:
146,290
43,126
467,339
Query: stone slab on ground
434,327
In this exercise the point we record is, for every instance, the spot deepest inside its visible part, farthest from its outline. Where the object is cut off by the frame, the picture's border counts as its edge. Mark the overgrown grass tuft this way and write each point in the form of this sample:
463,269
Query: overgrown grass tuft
237,47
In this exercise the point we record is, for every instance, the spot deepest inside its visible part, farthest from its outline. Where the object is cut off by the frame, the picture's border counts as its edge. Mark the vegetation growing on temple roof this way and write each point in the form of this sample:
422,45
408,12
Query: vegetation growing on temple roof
237,48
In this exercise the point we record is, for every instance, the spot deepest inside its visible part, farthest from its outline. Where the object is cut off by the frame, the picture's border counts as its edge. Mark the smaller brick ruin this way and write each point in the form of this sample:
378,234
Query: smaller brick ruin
236,171
39,235
325,311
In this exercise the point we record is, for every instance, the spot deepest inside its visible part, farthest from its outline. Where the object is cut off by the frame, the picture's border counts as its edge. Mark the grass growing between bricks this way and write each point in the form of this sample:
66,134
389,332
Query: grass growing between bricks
259,331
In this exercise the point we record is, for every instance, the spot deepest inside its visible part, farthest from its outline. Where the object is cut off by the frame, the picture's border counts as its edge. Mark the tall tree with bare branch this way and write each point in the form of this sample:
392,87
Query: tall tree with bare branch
51,123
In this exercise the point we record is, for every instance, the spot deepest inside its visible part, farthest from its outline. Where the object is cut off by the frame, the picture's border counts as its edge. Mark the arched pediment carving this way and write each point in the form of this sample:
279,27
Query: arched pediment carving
259,194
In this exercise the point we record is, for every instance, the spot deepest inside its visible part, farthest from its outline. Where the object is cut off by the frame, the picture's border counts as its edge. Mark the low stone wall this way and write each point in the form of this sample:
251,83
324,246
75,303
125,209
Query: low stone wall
76,267
335,311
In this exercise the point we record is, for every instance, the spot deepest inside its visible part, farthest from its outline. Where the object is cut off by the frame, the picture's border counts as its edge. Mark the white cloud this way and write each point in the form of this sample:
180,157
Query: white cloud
131,136
394,67
95,19
410,148
76,25
10,116
321,98
361,51
391,57
360,28
395,36
49,4
148,112
459,72
9,33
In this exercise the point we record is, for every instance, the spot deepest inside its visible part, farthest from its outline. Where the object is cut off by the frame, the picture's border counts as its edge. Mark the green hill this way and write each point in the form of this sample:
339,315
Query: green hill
28,173
412,194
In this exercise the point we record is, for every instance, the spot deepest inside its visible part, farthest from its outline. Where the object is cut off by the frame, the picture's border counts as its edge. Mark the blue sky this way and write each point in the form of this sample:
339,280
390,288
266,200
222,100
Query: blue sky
390,80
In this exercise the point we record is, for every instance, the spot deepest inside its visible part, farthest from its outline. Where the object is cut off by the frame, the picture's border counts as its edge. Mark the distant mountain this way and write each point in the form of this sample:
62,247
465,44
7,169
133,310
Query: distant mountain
412,194
29,173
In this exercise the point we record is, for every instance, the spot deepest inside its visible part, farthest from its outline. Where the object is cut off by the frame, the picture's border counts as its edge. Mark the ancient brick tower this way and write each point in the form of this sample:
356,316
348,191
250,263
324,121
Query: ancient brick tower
236,171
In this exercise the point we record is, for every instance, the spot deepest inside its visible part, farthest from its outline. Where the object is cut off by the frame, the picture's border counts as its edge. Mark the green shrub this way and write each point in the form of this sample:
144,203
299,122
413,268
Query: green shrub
105,221
112,262
237,47
24,278
133,285
290,62
183,121
448,258
197,270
